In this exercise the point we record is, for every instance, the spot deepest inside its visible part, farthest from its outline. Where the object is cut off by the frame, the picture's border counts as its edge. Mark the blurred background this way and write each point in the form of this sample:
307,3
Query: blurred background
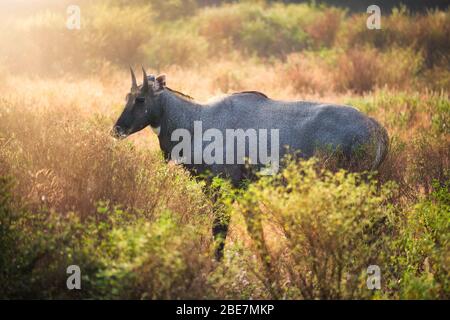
312,46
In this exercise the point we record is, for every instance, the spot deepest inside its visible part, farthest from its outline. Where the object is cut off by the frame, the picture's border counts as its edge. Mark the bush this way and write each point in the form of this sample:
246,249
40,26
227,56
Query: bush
399,68
421,254
363,69
256,29
358,69
323,30
273,32
115,34
315,233
170,46
308,73
331,227
120,255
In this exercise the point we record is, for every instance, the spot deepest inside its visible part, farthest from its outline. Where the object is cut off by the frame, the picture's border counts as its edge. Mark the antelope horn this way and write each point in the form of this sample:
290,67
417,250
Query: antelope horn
145,81
133,79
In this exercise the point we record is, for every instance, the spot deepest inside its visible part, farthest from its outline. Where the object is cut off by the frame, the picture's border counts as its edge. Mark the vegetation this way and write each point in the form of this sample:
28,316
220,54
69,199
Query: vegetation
141,228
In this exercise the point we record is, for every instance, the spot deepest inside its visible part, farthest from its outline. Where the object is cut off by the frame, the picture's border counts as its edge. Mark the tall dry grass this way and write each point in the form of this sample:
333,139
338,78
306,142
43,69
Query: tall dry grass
56,143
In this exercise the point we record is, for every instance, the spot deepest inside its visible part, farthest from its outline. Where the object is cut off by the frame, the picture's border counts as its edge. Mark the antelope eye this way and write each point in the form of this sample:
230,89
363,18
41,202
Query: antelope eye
140,100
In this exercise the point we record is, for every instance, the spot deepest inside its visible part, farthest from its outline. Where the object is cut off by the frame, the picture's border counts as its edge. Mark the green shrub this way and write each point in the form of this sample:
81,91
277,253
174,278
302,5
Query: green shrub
421,254
121,255
324,27
275,31
175,45
255,28
331,228
399,69
115,34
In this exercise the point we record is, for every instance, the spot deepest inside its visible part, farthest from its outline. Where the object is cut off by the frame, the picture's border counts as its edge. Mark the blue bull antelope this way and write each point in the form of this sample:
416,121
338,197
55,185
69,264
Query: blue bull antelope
301,127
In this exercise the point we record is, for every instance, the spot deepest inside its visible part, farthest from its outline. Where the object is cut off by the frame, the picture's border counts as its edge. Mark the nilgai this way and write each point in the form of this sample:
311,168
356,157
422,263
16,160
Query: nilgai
300,127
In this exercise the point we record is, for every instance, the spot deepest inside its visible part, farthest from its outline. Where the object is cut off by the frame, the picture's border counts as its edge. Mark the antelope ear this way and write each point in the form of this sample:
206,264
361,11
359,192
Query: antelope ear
159,84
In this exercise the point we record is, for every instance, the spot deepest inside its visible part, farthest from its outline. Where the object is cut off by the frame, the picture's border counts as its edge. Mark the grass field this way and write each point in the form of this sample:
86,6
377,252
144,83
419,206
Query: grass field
140,228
